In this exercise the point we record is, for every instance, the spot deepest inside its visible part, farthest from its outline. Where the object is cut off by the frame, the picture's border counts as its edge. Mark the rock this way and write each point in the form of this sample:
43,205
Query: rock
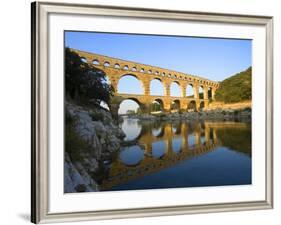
104,138
148,117
80,188
99,127
120,119
73,178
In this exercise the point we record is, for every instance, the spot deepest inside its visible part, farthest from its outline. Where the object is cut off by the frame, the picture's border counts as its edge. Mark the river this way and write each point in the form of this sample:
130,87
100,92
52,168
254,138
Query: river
180,154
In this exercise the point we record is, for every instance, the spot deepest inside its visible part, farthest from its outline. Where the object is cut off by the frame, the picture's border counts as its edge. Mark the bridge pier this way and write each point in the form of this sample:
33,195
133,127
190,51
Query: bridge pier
213,92
206,103
198,104
205,93
145,108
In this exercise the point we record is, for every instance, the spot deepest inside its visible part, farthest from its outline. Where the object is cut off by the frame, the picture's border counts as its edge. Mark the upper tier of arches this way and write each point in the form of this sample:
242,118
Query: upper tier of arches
123,65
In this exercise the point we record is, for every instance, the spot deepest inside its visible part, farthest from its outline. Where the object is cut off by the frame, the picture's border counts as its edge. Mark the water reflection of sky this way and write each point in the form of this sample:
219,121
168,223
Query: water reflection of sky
234,168
176,128
158,149
131,155
131,128
191,140
202,140
177,144
156,132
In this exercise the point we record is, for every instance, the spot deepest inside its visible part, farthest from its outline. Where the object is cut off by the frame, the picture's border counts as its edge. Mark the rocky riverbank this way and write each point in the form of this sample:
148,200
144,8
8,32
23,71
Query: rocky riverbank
243,114
91,138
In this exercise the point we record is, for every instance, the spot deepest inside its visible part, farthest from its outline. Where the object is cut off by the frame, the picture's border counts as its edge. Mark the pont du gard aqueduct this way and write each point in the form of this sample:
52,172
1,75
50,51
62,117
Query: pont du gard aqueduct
115,69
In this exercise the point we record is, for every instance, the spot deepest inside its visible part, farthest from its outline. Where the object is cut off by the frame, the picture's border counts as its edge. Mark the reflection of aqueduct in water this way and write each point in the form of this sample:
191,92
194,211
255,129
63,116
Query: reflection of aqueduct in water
205,140
115,69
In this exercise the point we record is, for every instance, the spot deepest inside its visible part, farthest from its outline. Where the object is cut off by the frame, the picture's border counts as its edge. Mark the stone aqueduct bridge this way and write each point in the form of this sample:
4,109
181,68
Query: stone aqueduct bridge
115,69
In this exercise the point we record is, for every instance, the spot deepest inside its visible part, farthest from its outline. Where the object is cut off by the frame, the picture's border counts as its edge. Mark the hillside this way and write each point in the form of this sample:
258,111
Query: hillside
236,88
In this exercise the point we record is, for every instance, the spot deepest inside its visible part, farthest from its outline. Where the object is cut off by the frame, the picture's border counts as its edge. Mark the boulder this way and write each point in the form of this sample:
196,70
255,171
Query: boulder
104,139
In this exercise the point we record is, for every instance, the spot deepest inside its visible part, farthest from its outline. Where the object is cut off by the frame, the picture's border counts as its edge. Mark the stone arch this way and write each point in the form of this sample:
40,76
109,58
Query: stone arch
157,87
210,93
117,66
134,69
160,103
96,62
83,59
126,67
191,107
202,105
175,105
201,92
135,100
175,89
106,64
189,91
130,84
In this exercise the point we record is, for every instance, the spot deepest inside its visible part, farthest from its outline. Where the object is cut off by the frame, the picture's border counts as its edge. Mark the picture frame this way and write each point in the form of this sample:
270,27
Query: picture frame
41,190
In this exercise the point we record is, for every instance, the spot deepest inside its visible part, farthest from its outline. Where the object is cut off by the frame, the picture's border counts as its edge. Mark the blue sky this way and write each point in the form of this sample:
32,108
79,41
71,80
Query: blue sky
212,58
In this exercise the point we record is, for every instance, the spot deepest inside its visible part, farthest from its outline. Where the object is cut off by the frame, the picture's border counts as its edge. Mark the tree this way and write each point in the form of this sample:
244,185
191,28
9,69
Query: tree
131,112
83,82
138,111
155,106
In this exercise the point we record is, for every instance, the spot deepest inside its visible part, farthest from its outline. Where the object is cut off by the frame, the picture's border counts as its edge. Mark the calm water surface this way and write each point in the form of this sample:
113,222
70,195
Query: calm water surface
180,154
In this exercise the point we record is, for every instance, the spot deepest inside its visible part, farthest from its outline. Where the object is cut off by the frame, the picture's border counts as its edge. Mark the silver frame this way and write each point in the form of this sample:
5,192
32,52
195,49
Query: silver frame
39,170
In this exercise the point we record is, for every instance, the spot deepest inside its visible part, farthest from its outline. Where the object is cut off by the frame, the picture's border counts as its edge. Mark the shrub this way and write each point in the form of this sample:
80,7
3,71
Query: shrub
236,112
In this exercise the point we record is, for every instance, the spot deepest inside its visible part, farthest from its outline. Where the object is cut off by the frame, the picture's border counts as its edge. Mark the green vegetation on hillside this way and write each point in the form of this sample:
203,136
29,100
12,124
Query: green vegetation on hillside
236,88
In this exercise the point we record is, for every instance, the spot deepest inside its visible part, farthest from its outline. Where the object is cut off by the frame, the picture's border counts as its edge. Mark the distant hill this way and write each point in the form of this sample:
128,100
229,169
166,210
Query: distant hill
236,88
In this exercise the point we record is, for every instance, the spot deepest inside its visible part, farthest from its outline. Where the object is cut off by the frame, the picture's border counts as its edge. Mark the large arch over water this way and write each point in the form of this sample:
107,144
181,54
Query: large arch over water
175,89
201,92
156,87
127,106
130,84
189,91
